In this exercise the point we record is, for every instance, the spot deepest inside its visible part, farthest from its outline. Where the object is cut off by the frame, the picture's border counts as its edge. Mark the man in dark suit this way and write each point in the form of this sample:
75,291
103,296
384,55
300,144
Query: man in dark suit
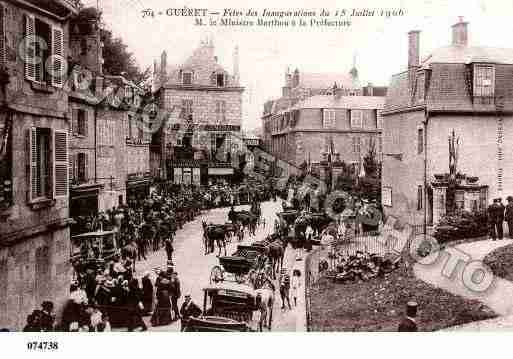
189,309
499,218
508,215
491,213
409,323
175,293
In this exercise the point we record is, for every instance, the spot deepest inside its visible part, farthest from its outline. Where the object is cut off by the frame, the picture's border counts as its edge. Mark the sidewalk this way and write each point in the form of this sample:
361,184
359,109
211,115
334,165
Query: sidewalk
498,297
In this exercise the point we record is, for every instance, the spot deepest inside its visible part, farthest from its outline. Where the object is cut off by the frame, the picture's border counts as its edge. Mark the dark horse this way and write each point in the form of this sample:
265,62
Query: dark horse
276,252
249,220
318,222
214,233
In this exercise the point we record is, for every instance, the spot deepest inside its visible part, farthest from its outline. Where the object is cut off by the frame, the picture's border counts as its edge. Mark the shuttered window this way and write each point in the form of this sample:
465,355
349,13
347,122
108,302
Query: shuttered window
2,37
329,119
30,48
484,81
356,119
61,162
220,111
57,62
40,163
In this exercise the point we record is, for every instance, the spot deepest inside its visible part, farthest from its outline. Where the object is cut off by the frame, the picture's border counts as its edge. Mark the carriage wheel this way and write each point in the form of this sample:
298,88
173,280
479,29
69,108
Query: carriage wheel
216,275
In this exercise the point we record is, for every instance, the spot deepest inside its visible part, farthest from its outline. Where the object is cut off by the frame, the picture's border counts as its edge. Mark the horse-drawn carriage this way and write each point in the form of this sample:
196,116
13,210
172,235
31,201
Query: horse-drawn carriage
227,307
239,264
92,250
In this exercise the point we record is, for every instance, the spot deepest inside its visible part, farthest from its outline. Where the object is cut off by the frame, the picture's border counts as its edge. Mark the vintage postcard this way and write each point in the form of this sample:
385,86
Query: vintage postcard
228,166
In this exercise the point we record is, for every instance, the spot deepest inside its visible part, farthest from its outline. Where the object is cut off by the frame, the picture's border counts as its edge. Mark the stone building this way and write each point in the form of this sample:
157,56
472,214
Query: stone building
34,157
316,110
460,88
204,104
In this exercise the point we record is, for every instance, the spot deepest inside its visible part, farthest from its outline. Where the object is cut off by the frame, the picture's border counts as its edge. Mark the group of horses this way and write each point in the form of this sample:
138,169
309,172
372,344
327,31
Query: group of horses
220,234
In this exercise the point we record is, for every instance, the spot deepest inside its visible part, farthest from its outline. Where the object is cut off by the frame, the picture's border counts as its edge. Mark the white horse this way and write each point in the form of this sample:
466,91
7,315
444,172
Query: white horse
265,303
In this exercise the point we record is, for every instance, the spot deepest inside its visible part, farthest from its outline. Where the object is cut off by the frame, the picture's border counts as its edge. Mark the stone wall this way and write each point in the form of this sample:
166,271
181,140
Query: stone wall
204,105
31,272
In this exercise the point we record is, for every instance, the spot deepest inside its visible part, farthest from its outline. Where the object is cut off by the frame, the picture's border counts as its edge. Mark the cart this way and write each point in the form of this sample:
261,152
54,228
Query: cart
227,307
92,250
239,264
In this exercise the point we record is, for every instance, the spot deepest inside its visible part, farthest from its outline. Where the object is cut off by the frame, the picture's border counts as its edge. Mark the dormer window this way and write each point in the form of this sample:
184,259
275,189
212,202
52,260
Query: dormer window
187,78
220,80
484,81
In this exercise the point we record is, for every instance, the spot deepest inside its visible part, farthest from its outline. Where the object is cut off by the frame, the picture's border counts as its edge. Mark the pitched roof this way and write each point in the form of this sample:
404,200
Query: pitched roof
325,80
349,102
454,54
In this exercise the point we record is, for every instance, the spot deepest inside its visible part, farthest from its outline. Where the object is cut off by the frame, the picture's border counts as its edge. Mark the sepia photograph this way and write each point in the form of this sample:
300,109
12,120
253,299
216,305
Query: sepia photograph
269,167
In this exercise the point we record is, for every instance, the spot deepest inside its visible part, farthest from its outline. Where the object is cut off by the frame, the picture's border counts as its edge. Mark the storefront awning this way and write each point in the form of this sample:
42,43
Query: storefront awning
220,171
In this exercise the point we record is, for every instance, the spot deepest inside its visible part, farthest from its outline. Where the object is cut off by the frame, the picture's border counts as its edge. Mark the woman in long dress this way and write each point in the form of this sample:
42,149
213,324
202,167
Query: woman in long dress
162,313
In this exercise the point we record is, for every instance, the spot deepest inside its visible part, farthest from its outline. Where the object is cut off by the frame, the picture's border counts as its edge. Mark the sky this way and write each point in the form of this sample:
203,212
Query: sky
378,43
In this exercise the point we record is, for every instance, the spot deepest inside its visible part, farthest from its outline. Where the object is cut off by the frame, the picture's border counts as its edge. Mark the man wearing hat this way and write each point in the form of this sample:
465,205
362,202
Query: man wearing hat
490,214
409,323
508,215
188,309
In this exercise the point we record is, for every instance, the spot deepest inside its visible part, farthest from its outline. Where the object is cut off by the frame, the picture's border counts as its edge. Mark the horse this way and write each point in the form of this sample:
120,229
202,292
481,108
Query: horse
214,233
276,254
265,302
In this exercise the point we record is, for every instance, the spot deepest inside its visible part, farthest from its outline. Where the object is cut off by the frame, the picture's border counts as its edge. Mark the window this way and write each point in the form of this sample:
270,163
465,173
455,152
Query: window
356,144
82,167
130,133
79,122
51,67
220,111
6,188
484,81
420,141
356,119
329,120
420,195
3,52
48,159
187,78
220,80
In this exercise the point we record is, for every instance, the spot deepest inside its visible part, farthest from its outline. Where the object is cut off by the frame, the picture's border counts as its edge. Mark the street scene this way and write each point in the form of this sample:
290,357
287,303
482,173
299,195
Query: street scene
239,182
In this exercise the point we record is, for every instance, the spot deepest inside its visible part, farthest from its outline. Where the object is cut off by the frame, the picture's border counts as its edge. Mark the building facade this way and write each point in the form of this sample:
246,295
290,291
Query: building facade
204,106
458,88
34,158
321,110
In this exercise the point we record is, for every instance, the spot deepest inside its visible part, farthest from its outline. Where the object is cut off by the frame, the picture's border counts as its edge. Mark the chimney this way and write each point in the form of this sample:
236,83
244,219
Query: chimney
236,73
459,33
413,55
163,65
285,90
370,89
413,49
295,78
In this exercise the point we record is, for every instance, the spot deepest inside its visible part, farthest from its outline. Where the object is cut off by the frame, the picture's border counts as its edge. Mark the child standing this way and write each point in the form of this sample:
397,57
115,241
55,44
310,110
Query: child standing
296,284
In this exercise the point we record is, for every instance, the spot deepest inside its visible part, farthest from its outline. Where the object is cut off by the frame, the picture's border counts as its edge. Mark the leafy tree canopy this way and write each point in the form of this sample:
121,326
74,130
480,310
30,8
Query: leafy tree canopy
118,59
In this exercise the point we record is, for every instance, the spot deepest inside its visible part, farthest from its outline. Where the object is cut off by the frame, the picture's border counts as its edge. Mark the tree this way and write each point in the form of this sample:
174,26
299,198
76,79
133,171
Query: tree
117,59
